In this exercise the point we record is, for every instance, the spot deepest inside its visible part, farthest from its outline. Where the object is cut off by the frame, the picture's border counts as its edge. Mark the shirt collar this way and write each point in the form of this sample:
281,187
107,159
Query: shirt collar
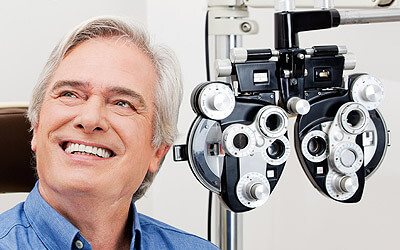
136,242
56,232
51,227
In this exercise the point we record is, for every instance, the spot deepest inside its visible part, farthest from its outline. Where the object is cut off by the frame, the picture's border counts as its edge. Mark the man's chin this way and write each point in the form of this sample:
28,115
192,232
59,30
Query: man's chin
72,185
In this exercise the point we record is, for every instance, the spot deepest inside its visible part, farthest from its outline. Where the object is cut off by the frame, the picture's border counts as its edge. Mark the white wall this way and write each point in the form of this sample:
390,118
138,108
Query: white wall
30,29
296,216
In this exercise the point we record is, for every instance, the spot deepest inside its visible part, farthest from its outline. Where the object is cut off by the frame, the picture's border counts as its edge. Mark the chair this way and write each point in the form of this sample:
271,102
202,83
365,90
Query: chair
16,171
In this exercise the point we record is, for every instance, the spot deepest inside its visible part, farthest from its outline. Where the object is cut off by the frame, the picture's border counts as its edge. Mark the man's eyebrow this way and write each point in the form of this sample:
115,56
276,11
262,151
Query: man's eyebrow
129,93
68,83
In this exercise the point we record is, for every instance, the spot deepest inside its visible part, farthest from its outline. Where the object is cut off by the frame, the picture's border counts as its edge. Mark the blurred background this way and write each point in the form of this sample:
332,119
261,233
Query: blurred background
296,216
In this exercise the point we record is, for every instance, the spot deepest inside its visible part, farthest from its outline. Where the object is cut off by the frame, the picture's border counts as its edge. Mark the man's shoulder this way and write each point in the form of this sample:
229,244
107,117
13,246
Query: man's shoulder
170,235
13,226
13,218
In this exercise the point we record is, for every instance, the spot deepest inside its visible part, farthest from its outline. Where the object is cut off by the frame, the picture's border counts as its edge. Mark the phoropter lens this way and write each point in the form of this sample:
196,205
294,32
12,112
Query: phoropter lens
240,141
276,150
273,122
316,146
354,118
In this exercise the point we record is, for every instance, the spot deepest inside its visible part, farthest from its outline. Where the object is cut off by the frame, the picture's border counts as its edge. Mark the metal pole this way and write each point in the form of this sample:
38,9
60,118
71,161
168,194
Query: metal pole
230,234
369,16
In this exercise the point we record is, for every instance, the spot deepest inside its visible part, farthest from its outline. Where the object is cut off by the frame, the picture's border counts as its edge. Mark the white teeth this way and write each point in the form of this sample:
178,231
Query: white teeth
100,152
68,150
87,150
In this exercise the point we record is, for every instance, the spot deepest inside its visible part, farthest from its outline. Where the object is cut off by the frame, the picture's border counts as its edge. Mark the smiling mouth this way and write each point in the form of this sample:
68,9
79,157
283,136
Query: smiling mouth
81,149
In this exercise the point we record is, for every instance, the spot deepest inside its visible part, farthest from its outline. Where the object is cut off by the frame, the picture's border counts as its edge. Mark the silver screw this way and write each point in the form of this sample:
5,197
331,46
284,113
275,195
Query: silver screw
246,27
300,56
305,72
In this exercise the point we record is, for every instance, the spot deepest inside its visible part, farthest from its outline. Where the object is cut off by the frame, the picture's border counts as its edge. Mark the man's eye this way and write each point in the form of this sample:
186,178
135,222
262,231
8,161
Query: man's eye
69,94
124,104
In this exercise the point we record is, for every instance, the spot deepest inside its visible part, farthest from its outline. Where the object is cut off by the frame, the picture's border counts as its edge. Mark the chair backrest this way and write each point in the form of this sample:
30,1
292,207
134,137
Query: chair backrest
16,171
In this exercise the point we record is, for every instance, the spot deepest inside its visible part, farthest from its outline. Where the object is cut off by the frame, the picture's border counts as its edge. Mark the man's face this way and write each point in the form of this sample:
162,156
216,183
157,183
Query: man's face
94,134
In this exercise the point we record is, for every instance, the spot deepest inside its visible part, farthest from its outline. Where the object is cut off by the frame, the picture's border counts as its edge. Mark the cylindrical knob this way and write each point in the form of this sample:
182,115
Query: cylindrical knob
342,49
298,106
350,61
348,184
238,55
258,191
372,93
221,102
367,90
214,100
223,67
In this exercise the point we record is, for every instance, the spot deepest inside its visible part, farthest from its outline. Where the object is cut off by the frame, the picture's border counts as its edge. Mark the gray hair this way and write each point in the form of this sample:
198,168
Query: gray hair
168,91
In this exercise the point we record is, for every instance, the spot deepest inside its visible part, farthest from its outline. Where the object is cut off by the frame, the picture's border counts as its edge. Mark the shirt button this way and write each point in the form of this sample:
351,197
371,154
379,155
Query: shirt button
79,244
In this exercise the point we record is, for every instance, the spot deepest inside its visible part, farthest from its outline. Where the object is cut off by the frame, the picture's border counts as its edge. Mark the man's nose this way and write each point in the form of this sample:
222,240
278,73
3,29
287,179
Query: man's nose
92,116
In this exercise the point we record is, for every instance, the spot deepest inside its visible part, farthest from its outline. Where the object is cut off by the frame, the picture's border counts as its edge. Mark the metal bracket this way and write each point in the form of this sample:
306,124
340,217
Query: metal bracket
230,21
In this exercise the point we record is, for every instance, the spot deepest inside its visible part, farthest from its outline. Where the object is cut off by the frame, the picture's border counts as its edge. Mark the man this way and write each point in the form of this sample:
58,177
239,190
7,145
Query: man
104,114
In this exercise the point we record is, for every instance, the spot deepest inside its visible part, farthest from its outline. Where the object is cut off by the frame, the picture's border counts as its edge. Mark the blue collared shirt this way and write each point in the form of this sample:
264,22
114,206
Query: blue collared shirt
34,224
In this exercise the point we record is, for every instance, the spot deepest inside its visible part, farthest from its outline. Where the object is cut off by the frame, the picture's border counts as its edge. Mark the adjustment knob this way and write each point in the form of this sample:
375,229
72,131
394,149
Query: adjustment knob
341,187
347,184
257,191
298,106
214,100
220,101
223,67
238,55
253,189
367,90
372,93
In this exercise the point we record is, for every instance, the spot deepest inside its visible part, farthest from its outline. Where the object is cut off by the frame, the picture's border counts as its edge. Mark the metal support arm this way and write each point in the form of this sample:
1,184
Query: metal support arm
369,16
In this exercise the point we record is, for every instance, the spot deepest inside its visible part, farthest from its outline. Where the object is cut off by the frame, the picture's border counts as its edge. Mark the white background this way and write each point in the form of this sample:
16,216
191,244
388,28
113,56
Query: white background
296,216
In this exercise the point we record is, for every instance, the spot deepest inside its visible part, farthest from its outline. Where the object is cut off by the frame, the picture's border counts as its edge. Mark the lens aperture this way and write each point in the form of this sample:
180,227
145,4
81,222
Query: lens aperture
240,141
276,150
316,146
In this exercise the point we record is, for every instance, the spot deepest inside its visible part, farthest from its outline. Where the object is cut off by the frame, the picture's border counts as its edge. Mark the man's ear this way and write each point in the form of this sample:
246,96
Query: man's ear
158,156
34,139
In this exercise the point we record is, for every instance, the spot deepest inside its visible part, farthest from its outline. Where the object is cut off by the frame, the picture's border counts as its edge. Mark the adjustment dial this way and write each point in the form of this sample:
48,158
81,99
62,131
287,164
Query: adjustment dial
253,189
216,101
341,187
367,90
347,157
